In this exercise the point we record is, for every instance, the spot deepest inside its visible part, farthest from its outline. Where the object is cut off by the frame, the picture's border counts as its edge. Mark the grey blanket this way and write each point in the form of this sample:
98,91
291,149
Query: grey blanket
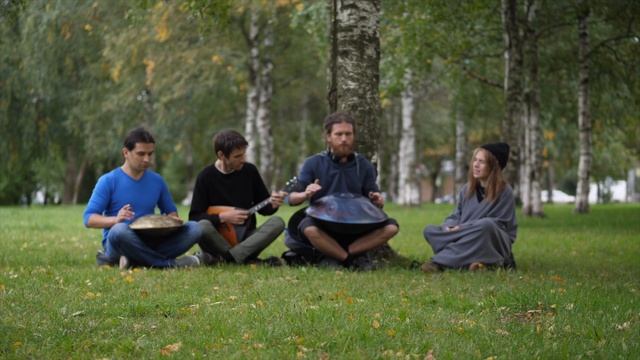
486,234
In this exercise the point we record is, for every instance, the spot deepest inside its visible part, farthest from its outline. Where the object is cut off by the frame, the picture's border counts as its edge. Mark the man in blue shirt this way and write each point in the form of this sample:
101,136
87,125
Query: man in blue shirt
338,170
127,193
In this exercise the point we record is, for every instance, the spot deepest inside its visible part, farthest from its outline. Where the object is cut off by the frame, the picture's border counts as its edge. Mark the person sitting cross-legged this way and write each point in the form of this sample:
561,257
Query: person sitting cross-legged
481,230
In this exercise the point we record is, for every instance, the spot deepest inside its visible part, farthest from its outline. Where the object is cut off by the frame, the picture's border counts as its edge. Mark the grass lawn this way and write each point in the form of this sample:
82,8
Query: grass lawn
576,294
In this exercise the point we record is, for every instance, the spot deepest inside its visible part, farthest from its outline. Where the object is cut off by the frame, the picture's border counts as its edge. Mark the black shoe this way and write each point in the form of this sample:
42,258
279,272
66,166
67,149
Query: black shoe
207,259
362,262
103,260
292,258
272,261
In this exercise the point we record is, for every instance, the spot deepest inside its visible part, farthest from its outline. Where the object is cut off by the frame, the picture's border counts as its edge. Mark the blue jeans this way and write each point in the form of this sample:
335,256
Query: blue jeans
156,252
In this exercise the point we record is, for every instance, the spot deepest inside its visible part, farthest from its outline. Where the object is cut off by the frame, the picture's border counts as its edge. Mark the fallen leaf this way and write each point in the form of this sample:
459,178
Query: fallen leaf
375,324
170,349
429,355
391,332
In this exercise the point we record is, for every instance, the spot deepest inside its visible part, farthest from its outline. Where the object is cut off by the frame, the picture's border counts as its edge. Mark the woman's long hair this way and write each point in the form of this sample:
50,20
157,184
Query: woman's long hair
495,181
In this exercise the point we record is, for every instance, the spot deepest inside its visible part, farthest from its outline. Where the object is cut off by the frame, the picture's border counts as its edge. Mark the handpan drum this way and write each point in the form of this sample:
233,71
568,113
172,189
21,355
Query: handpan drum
346,213
155,225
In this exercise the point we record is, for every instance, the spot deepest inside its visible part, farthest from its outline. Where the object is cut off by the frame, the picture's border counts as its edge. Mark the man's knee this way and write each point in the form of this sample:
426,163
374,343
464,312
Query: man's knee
118,233
276,223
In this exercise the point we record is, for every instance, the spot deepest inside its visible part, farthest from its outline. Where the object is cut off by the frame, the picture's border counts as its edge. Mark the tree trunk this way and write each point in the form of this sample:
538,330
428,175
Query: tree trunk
305,120
408,193
462,157
263,119
253,92
73,175
532,151
393,123
354,75
513,90
584,114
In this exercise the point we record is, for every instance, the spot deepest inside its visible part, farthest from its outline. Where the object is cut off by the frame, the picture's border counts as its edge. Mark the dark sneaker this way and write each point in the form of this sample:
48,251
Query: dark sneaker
124,263
330,263
103,260
208,259
270,261
188,261
362,262
292,258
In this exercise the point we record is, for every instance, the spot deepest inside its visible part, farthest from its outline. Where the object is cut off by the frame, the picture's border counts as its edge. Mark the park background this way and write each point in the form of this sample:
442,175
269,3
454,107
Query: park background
427,81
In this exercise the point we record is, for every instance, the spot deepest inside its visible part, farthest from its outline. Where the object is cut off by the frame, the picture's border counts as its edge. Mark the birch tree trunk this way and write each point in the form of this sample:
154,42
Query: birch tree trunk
263,118
354,73
253,92
408,193
584,113
513,90
393,125
532,151
462,156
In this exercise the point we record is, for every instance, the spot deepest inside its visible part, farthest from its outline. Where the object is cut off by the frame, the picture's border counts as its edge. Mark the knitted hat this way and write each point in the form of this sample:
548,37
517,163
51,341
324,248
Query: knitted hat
500,151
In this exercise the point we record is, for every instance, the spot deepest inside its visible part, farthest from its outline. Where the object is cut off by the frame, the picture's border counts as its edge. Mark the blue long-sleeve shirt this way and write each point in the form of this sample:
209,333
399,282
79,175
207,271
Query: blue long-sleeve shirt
115,189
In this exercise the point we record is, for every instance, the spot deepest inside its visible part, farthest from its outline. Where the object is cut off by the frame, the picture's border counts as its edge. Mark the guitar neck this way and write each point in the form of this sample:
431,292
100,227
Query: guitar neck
265,202
258,206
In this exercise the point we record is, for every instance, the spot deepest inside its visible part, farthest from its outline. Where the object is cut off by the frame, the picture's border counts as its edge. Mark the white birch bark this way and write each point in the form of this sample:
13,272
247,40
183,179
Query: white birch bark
513,90
253,92
263,118
393,125
355,76
408,193
584,114
531,151
462,155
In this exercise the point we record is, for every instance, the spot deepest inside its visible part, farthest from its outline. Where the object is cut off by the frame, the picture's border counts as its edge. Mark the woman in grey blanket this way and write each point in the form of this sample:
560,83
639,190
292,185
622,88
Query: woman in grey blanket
481,230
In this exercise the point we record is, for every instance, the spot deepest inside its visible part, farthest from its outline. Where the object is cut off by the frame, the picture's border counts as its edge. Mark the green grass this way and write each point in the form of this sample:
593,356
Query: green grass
576,294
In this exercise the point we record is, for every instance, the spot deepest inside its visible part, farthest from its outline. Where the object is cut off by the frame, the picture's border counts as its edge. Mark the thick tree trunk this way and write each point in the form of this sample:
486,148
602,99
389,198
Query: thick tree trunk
584,113
513,90
253,92
263,119
462,157
408,193
532,152
355,62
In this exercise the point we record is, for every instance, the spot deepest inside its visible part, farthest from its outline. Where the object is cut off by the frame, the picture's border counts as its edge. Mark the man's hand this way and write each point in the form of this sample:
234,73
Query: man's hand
376,198
124,214
175,216
296,198
235,216
277,198
312,188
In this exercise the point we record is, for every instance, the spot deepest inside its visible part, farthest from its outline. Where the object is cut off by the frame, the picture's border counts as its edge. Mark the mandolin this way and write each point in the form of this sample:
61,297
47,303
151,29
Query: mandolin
234,233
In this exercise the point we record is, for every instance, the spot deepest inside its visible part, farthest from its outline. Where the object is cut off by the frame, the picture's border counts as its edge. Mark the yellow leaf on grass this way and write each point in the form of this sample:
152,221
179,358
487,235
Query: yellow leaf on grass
391,332
375,324
170,349
429,355
128,279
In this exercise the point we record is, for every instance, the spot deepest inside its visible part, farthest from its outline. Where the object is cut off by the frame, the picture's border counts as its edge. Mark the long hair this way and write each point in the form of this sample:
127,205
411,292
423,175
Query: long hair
495,181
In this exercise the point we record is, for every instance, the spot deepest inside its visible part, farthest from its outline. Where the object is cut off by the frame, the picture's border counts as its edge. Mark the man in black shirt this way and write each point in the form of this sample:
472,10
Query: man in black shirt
225,197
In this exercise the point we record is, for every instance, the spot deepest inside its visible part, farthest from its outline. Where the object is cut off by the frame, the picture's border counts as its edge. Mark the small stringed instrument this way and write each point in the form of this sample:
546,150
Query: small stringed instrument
233,233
